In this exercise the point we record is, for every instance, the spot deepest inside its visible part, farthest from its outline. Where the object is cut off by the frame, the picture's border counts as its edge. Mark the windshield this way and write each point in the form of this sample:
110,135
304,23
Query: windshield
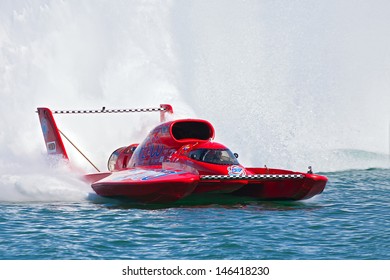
214,156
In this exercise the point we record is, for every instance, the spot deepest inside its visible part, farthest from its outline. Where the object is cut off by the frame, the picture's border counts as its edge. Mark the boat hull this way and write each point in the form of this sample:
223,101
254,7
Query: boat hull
302,188
147,187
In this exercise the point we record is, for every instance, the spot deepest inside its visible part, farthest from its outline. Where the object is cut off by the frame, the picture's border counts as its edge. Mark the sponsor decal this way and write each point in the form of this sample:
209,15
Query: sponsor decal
235,170
144,175
134,175
51,147
151,151
161,173
45,128
165,130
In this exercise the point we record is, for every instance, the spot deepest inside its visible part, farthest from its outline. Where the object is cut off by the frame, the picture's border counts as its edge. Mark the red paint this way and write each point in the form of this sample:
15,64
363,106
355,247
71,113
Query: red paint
169,164
51,134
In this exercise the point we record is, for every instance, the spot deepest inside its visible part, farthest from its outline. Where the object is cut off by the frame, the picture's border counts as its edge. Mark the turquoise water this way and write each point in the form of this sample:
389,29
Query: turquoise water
349,220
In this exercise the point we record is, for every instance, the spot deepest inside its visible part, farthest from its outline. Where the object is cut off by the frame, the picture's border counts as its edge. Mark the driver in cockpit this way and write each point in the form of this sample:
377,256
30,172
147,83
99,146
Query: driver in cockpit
217,156
214,156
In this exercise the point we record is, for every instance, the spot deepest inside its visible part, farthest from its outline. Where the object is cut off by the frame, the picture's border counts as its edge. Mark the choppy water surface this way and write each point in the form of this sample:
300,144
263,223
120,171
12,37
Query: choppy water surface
350,220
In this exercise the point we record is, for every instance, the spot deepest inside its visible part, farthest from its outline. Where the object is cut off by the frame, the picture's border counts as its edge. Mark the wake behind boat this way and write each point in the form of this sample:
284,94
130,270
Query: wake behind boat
180,159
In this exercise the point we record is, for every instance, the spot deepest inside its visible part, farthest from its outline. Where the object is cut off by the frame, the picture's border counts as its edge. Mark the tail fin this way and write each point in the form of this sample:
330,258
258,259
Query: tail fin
51,134
166,109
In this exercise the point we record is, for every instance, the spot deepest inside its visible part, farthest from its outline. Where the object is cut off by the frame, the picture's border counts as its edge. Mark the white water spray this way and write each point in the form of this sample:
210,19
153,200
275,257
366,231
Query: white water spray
285,84
292,84
80,55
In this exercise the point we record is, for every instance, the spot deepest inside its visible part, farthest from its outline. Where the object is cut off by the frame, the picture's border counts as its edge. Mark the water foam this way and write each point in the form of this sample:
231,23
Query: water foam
37,180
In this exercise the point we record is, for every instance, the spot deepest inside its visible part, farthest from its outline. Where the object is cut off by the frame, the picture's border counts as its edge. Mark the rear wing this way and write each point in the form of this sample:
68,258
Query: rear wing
52,135
163,109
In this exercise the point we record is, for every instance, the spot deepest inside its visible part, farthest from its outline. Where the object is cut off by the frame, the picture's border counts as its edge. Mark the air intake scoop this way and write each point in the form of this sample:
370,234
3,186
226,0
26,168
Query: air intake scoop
184,130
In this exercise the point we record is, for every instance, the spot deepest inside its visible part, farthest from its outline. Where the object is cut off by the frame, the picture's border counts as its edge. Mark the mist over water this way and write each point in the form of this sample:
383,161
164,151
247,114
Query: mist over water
291,83
287,84
82,55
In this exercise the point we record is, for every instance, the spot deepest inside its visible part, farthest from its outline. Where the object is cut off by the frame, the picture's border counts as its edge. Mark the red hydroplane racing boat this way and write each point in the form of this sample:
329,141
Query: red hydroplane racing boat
179,159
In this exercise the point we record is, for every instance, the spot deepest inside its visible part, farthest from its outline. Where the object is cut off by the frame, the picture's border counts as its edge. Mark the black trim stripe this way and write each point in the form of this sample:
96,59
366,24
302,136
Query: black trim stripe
103,111
253,177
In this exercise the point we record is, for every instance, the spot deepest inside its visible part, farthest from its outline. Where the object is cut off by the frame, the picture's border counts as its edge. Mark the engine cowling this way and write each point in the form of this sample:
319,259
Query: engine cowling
120,158
167,138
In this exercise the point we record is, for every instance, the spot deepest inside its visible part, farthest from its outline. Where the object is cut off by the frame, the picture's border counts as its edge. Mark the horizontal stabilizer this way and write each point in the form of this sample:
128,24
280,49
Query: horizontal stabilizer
163,109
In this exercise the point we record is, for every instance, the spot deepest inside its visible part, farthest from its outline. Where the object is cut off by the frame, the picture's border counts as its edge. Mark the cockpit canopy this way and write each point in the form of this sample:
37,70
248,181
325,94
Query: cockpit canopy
214,156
